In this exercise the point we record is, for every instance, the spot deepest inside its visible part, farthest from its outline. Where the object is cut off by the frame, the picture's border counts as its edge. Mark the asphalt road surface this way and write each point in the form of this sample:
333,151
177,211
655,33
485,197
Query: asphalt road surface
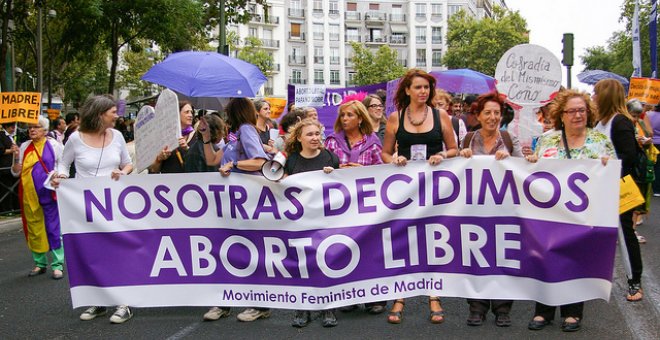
39,308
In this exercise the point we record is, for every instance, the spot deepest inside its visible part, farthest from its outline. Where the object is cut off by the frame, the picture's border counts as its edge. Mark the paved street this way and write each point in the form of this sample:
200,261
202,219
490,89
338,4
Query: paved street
39,307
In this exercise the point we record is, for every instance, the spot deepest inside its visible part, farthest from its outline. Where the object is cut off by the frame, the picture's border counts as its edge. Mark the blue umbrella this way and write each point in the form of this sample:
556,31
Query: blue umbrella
206,74
464,80
591,77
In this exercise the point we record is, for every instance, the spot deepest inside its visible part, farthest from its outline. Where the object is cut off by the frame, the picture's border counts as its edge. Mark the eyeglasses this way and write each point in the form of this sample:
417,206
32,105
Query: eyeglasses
572,112
376,106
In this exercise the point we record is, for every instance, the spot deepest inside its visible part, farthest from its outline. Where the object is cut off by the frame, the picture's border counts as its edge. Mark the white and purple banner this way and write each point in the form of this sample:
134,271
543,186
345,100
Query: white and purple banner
475,228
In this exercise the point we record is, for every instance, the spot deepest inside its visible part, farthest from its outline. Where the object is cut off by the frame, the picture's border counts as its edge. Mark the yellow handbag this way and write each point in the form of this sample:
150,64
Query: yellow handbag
629,196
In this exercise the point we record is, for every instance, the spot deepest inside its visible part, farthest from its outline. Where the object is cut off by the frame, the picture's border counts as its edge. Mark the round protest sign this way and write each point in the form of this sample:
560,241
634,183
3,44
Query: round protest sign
528,75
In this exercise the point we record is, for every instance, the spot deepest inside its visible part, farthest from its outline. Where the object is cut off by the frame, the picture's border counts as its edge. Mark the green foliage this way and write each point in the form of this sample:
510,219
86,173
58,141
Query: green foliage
253,53
616,57
237,11
375,68
138,60
479,44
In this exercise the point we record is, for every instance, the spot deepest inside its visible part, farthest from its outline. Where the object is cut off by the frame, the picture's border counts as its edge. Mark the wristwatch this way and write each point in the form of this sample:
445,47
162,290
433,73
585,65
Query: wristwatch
235,164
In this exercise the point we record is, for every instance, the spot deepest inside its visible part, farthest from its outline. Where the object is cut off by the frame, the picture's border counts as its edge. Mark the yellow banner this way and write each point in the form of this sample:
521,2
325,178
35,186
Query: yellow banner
646,90
20,107
277,106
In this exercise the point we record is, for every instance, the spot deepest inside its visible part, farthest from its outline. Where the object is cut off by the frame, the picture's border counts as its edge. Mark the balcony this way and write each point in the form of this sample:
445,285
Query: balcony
297,60
400,18
298,37
335,81
270,43
260,19
317,11
374,18
355,38
436,40
275,68
333,37
402,62
318,60
319,81
352,16
348,62
335,60
420,63
297,81
436,16
375,40
420,39
318,35
398,40
296,13
436,62
268,91
333,12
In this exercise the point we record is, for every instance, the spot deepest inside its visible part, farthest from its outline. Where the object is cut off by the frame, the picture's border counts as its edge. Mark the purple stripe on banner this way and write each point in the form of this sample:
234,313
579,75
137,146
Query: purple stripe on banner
548,251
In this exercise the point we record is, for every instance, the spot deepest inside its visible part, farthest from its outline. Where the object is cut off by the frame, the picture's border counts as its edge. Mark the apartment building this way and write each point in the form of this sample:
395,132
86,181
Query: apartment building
310,39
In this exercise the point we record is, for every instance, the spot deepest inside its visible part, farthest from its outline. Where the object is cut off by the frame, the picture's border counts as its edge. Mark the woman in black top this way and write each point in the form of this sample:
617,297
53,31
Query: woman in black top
615,121
420,128
306,153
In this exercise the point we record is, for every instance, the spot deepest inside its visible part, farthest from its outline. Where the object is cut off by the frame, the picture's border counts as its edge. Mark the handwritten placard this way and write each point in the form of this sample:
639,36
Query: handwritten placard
157,128
646,90
20,107
311,95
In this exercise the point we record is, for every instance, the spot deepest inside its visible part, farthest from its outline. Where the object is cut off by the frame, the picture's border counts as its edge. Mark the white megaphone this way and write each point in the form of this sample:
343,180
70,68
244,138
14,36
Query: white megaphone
274,169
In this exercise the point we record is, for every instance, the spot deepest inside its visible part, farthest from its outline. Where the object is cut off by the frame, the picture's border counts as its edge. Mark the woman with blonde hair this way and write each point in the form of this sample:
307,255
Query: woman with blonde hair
354,140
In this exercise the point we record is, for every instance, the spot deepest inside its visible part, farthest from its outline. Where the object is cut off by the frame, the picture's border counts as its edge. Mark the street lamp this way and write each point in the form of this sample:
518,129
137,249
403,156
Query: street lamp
40,66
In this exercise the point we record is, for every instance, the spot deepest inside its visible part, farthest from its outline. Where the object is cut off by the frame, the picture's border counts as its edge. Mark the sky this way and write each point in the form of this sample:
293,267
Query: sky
592,23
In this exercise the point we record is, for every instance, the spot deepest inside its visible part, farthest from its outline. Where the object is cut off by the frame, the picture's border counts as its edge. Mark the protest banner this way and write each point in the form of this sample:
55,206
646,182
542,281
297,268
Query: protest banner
647,90
327,103
23,107
529,76
277,106
474,228
157,128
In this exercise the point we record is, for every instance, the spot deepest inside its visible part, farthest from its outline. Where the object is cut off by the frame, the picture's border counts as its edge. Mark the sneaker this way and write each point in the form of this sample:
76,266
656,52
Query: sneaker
122,314
216,313
252,314
656,194
92,312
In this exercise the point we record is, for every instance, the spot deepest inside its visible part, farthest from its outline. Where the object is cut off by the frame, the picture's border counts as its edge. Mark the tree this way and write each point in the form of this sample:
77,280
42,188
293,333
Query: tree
138,59
375,68
479,44
616,57
254,54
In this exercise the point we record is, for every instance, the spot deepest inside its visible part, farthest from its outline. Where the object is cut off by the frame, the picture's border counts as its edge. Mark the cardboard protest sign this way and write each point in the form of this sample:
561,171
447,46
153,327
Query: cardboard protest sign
157,128
22,107
277,106
529,76
646,90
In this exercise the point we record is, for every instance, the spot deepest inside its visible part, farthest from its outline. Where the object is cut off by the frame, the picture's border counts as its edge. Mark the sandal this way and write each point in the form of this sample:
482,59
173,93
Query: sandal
436,316
396,317
635,292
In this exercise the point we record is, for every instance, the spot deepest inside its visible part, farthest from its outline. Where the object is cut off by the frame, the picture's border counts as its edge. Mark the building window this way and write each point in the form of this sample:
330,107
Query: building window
334,56
318,77
318,31
252,32
421,57
334,32
436,35
420,10
420,34
334,77
318,55
453,9
398,38
333,7
318,6
296,77
436,11
353,34
351,6
376,35
351,78
295,31
374,7
436,58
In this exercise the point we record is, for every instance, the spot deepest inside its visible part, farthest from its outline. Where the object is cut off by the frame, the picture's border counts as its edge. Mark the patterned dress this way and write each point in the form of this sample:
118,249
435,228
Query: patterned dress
596,145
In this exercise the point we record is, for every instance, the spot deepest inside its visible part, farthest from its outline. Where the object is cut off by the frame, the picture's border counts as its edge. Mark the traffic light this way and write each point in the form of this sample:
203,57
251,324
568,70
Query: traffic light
567,60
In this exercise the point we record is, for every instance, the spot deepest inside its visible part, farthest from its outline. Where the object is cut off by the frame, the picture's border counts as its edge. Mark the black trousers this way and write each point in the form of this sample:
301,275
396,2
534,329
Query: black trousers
497,306
573,310
656,183
632,244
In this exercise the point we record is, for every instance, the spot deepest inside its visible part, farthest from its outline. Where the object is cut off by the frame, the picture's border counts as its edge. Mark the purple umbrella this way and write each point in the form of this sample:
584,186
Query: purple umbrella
464,80
591,77
206,74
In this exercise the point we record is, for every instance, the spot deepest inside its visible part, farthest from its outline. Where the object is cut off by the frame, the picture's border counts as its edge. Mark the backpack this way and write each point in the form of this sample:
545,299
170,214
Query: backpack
643,168
506,138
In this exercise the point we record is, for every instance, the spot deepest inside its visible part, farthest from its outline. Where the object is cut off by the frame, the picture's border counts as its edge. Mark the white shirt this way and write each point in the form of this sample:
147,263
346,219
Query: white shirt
91,161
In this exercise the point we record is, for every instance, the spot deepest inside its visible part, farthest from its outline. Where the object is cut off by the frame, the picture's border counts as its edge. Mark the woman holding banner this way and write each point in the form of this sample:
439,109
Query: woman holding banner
420,131
615,122
354,140
245,155
172,161
572,138
490,140
97,149
306,153
41,222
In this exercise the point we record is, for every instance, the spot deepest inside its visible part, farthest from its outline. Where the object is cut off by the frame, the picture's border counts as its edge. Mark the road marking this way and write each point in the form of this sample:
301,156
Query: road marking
184,332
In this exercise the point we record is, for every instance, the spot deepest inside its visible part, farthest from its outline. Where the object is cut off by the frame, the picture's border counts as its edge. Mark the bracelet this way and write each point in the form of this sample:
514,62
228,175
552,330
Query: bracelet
209,142
235,164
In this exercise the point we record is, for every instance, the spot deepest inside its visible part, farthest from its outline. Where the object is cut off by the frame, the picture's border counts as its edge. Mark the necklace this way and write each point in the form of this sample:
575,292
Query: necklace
421,121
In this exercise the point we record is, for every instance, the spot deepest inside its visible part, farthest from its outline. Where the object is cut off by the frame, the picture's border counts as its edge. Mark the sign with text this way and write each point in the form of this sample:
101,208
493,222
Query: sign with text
24,107
647,90
157,128
475,228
